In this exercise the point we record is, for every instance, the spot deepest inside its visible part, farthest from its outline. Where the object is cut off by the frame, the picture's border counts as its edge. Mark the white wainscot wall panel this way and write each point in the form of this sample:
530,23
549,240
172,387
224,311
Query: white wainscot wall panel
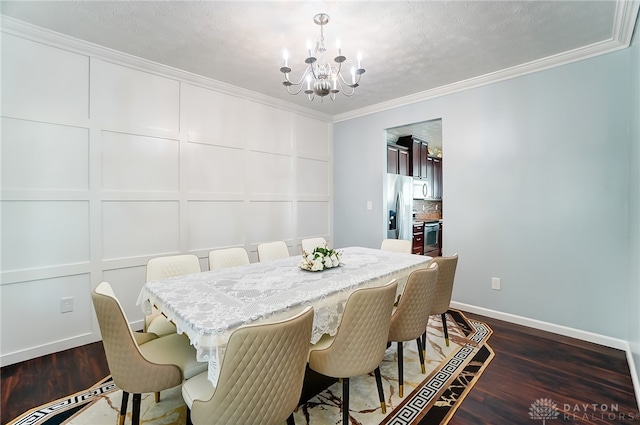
137,228
44,233
31,312
270,221
43,83
312,137
267,129
37,156
313,177
127,283
215,224
215,169
138,163
270,174
313,219
135,101
213,117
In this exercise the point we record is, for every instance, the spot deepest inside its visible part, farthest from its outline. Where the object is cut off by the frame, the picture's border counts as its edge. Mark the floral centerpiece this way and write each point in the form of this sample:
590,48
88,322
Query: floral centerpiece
321,258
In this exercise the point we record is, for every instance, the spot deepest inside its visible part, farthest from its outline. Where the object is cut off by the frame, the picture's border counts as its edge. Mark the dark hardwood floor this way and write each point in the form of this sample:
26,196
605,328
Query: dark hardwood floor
591,381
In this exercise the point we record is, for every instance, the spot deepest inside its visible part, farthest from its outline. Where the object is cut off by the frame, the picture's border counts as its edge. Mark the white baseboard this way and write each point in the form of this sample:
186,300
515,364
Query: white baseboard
607,341
43,350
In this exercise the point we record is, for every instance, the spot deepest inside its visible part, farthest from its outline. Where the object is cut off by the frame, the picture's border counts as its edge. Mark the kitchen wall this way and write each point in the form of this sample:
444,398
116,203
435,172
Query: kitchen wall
109,161
532,197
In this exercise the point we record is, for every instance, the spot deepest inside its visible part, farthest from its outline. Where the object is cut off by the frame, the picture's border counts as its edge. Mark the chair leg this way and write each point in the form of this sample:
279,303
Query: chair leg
421,355
400,370
345,401
158,397
424,344
291,420
444,327
380,389
135,414
123,407
189,417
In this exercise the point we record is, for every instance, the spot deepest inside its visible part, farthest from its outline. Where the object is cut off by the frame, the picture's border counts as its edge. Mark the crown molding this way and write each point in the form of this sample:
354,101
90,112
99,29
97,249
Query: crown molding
626,14
94,51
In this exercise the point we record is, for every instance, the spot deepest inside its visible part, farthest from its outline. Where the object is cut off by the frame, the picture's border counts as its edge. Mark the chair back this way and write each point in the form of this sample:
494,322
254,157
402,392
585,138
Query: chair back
228,257
171,266
308,245
446,274
397,245
130,370
272,251
361,339
261,375
411,317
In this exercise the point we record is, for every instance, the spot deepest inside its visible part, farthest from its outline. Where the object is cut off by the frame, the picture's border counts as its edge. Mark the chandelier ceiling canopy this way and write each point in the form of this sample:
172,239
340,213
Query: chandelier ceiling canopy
321,77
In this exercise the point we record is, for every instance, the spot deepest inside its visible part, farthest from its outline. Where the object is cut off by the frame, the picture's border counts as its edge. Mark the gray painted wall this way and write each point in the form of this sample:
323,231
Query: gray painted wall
536,191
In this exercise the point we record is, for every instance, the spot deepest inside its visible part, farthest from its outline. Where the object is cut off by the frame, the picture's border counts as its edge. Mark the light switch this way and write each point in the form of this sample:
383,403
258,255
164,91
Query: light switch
369,205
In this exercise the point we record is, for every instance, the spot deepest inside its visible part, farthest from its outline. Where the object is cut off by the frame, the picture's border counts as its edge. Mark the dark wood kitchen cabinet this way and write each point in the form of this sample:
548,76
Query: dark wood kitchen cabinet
418,154
434,177
397,159
418,238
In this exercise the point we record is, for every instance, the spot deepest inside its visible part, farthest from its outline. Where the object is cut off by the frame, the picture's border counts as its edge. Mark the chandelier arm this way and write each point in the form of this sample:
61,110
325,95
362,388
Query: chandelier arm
294,92
352,86
306,71
341,88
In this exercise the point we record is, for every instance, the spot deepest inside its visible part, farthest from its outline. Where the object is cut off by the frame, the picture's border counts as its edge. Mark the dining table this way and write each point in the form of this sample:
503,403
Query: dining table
208,306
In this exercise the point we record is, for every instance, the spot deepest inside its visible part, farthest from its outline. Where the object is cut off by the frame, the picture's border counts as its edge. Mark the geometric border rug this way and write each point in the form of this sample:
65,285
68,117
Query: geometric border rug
429,399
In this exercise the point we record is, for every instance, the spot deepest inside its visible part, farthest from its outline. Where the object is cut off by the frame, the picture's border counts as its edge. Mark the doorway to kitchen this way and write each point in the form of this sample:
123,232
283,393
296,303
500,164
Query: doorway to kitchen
415,150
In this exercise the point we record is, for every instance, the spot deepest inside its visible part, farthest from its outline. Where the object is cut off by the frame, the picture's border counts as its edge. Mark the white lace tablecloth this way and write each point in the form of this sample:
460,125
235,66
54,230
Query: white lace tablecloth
209,306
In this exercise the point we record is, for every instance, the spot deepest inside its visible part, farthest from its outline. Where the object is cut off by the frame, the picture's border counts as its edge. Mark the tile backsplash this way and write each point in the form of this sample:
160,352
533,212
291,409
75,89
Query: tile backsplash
421,207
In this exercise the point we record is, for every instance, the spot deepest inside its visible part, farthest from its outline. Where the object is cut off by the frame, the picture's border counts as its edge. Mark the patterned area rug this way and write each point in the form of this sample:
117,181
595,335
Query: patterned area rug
430,398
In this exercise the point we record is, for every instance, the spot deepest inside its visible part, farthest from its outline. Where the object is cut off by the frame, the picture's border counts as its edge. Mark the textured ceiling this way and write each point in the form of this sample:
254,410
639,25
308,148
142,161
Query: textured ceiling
407,47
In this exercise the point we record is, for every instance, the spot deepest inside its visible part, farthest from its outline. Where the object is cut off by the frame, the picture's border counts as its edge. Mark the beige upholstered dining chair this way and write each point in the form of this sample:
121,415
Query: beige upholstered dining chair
261,375
308,245
411,317
397,245
228,257
272,251
140,362
164,268
444,289
360,342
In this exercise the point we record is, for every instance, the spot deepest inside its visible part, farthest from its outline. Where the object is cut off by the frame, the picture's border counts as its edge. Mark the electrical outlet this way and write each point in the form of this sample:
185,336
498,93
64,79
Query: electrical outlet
495,283
66,305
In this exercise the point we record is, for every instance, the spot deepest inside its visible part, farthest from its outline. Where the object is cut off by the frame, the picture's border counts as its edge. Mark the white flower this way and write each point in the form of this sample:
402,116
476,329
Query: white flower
317,265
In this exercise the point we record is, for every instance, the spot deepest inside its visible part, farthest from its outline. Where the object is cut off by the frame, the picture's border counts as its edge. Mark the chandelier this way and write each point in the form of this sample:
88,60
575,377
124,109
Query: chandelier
322,77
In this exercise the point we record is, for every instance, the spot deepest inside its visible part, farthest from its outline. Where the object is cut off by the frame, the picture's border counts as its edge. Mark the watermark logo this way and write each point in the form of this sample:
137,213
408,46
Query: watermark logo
543,408
546,409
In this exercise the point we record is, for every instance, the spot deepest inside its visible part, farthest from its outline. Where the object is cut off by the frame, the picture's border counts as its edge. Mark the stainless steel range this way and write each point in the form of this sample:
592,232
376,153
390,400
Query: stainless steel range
431,240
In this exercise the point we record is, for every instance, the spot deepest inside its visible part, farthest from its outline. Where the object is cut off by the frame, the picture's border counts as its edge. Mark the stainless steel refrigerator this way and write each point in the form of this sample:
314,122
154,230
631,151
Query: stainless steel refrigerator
399,207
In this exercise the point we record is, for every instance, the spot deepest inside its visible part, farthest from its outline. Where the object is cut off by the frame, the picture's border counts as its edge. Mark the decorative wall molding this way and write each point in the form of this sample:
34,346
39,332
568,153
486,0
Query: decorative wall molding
41,35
